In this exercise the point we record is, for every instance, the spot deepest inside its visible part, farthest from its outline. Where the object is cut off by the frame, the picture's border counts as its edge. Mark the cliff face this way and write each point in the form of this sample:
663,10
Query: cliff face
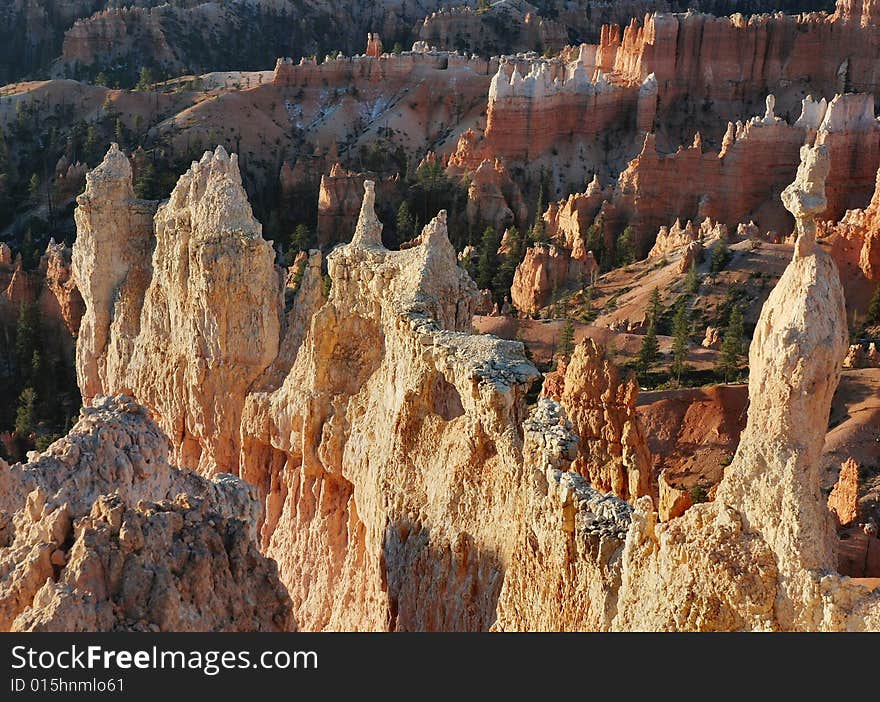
546,270
855,243
494,199
542,107
50,287
732,59
368,503
100,533
740,182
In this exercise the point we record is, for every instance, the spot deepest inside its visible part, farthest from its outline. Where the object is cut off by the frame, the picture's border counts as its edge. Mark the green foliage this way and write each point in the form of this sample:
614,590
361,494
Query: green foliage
303,238
873,314
34,189
626,247
720,257
504,277
680,338
698,494
487,262
565,344
731,346
595,242
405,222
45,440
145,79
649,351
27,338
25,415
538,233
655,307
146,185
692,281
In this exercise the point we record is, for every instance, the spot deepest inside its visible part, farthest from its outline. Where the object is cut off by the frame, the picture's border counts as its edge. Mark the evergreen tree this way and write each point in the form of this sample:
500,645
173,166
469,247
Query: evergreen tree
27,338
147,184
650,350
565,345
692,281
25,415
488,260
626,247
720,257
145,80
537,233
515,252
302,239
119,132
873,314
655,308
405,222
596,243
732,346
680,329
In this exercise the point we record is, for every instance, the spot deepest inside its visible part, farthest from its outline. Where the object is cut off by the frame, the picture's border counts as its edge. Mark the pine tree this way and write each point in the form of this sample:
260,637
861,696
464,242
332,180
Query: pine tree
302,239
655,308
680,329
25,415
119,132
650,350
488,260
145,80
565,345
731,346
692,281
27,338
596,243
405,222
515,251
720,256
626,247
146,185
537,233
34,189
873,314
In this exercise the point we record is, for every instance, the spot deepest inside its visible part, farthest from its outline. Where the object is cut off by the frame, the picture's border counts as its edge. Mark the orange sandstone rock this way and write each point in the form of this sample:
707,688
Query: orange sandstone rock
844,498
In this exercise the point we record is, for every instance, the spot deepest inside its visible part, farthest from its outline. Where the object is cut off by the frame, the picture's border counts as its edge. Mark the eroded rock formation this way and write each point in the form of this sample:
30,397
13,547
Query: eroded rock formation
612,454
100,533
403,483
768,517
161,289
